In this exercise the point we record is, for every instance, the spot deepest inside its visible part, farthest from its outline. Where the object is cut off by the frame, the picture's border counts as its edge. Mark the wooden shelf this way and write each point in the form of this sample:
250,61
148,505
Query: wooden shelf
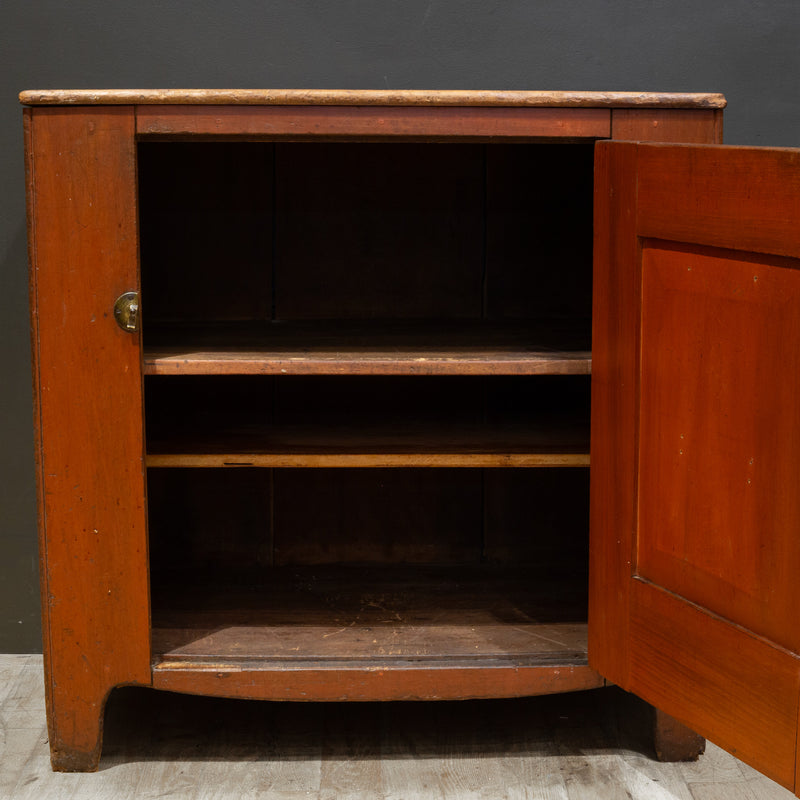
370,348
358,620
563,443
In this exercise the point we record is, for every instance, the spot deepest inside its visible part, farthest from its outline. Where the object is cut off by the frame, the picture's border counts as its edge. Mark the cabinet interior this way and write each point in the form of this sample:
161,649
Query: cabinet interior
367,401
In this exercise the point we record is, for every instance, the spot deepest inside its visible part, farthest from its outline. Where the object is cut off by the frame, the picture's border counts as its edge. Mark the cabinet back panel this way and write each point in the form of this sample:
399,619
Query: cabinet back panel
240,521
206,231
236,417
539,231
539,519
378,516
235,231
379,231
200,401
204,519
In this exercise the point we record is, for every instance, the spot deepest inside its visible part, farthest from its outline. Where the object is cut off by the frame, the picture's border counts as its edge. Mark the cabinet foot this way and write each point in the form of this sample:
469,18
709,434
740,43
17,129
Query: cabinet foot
66,760
673,741
76,736
644,728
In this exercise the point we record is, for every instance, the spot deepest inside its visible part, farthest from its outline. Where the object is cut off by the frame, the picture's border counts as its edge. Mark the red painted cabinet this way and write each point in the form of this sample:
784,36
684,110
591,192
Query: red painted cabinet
333,441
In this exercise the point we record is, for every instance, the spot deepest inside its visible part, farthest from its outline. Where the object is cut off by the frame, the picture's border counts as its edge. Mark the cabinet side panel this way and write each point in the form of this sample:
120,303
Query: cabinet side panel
94,546
667,125
615,347
34,321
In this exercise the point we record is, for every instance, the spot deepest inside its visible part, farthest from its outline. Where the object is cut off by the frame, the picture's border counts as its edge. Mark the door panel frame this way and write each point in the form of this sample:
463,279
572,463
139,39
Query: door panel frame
677,646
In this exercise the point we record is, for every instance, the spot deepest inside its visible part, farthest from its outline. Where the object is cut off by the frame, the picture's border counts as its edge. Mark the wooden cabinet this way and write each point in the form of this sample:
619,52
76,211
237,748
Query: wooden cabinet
337,445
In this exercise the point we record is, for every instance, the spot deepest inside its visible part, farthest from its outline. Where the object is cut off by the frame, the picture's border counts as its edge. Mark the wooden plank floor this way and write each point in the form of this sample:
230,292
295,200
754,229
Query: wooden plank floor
158,745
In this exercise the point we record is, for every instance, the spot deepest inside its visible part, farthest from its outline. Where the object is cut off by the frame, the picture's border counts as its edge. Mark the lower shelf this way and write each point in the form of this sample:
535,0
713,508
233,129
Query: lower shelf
374,634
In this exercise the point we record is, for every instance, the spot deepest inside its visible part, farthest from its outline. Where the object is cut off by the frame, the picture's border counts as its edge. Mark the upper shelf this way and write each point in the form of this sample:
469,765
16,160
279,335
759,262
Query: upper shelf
371,97
370,348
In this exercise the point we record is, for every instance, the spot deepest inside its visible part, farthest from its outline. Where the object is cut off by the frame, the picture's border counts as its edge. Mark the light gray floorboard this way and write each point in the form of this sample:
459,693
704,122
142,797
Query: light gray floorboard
157,745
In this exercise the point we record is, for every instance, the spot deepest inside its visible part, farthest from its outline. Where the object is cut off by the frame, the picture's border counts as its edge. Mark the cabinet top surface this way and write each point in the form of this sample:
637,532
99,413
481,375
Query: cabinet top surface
370,97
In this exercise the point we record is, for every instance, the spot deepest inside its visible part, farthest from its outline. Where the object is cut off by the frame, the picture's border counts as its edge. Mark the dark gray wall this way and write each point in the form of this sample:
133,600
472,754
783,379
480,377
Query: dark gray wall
748,49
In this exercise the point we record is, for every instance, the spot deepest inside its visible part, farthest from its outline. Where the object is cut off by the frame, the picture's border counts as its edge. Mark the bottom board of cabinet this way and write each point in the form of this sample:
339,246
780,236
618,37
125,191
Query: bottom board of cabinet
362,632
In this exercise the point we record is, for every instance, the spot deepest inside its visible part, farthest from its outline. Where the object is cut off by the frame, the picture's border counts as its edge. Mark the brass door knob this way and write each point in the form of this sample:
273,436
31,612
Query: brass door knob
126,311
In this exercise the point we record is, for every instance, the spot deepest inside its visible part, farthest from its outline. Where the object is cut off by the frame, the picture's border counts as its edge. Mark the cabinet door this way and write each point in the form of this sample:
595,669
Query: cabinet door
90,452
695,597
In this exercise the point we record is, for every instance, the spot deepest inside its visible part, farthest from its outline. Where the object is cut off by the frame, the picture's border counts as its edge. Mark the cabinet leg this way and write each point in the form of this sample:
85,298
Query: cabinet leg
673,741
648,730
76,734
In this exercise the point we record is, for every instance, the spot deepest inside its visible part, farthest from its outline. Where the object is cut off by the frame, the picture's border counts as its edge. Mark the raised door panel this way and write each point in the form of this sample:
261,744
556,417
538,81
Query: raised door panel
696,435
87,371
720,429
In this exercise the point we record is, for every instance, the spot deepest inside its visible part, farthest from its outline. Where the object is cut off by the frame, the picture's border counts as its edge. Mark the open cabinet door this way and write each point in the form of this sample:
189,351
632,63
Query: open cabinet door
695,553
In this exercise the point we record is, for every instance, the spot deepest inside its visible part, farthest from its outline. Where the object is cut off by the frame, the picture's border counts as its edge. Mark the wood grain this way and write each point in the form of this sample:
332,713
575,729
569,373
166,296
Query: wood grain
380,122
614,408
615,351
357,239
740,198
448,683
30,209
359,97
290,641
682,662
94,554
380,348
373,631
667,125
450,458
376,615
718,507
711,657
546,442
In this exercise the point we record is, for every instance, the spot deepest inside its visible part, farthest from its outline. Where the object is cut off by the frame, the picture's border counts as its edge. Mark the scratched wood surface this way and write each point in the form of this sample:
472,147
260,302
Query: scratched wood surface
564,747
549,442
370,122
384,616
92,517
360,97
370,348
